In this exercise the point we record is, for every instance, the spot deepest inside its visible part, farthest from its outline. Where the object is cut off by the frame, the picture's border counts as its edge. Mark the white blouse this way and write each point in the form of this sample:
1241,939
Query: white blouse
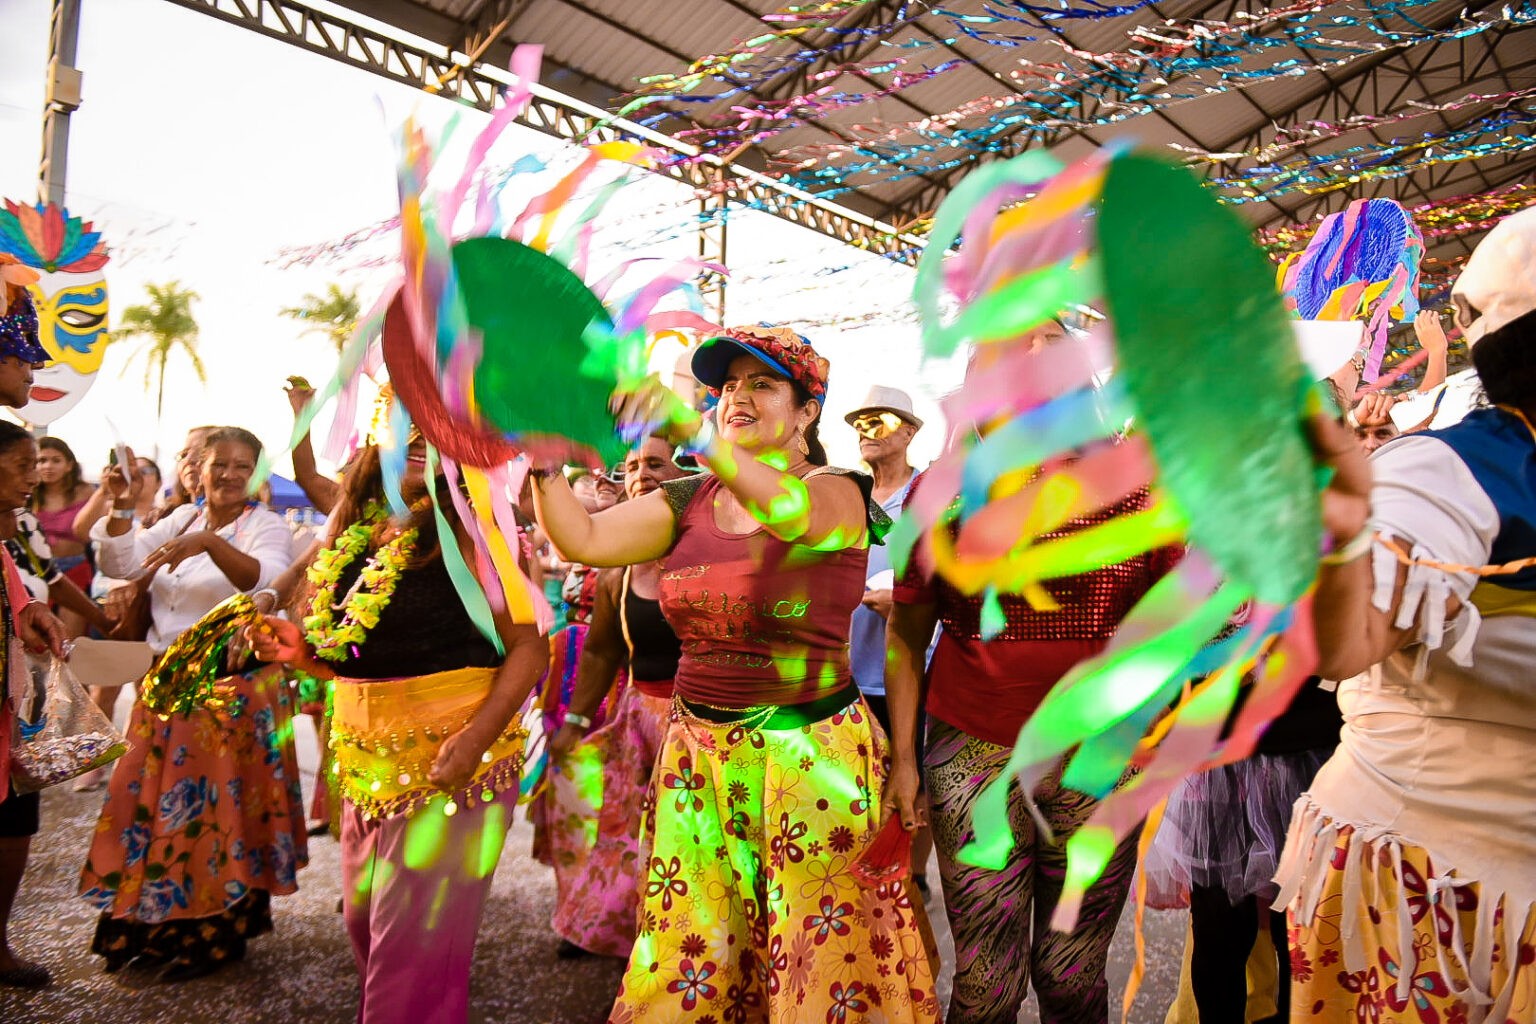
181,596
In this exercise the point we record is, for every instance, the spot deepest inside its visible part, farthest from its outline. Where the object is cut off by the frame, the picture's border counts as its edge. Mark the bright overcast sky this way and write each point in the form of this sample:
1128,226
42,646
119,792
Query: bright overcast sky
203,151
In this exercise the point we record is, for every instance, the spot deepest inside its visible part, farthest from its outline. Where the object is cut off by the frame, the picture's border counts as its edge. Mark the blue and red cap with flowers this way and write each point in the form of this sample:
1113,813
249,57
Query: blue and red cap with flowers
780,348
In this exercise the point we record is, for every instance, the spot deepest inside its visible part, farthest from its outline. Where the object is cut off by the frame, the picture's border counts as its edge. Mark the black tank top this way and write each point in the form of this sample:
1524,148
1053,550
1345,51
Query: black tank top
655,648
423,629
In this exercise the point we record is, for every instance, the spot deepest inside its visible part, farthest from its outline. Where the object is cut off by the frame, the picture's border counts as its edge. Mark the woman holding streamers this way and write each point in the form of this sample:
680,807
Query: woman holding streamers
978,692
425,733
767,788
204,821
595,913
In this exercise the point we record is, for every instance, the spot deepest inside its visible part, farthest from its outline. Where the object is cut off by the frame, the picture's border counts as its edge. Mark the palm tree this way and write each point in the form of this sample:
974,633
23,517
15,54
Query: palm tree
165,324
333,314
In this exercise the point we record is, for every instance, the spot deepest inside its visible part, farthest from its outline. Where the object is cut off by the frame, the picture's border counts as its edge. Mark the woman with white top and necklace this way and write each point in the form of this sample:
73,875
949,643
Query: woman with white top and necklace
203,821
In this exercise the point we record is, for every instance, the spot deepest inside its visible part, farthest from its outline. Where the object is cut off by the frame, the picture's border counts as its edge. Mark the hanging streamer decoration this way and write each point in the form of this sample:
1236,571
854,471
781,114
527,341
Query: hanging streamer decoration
1361,264
1441,218
1301,135
1164,63
1142,235
1506,133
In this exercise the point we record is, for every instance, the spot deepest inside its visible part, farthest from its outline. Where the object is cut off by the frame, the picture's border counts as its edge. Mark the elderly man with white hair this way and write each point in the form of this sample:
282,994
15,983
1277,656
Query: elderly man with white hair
886,424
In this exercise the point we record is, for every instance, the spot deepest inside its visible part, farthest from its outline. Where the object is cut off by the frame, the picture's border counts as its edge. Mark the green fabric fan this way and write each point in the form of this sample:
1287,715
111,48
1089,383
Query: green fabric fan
1169,253
531,310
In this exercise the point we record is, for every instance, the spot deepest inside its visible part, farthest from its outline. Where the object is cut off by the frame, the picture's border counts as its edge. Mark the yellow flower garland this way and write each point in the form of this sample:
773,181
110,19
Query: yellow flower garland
369,596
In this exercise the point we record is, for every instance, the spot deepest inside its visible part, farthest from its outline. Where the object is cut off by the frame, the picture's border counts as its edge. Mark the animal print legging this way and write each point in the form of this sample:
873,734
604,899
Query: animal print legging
1001,919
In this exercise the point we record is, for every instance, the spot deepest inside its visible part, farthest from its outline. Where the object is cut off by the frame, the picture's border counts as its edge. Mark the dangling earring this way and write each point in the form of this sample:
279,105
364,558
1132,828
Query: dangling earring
805,449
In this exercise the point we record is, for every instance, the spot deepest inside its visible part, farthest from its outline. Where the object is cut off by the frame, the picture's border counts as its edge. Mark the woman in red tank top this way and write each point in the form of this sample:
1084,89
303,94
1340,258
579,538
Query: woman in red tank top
980,687
767,787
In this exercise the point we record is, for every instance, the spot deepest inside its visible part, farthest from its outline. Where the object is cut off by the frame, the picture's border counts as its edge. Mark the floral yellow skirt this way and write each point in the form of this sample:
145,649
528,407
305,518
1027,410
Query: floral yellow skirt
1380,934
749,912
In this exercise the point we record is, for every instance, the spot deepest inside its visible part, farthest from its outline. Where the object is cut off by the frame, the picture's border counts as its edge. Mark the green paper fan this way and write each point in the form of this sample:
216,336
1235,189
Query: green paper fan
1183,275
531,310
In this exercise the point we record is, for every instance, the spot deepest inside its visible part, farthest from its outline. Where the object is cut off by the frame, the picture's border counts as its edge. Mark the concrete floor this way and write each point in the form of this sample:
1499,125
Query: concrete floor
304,971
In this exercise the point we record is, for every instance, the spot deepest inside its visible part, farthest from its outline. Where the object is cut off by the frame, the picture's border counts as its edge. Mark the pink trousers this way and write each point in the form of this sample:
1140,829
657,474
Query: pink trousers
413,888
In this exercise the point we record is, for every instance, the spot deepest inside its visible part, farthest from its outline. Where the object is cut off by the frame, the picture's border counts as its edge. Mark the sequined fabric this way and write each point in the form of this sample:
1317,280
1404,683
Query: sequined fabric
1092,604
386,736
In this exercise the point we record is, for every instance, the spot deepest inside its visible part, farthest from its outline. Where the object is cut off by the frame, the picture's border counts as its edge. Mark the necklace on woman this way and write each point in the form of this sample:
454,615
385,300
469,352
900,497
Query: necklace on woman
368,596
207,513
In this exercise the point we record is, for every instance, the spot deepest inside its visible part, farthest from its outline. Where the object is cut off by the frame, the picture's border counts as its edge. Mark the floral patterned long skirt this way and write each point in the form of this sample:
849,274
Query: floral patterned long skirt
567,796
1381,934
598,901
203,823
750,913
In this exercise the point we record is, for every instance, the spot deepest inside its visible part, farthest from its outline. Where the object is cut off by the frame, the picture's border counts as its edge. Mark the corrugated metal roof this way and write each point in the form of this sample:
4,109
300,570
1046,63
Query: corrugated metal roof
604,48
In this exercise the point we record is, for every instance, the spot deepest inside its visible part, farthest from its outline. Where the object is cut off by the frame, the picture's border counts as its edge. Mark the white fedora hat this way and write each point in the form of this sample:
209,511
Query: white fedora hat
884,399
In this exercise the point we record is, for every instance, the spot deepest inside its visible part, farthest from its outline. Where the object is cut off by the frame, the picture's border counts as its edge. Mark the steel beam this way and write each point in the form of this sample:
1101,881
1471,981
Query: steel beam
484,26
712,236
550,112
63,98
1396,72
1338,95
924,199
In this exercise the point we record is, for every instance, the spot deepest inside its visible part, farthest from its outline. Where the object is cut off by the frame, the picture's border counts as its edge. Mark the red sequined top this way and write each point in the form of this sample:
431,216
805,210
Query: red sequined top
989,688
761,621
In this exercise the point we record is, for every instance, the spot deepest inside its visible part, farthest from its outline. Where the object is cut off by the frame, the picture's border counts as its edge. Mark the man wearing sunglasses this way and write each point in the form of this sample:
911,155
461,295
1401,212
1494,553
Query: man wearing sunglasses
886,425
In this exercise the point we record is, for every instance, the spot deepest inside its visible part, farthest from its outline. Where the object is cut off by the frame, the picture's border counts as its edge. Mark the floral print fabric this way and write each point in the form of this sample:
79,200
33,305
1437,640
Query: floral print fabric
1392,940
566,797
203,808
749,912
598,901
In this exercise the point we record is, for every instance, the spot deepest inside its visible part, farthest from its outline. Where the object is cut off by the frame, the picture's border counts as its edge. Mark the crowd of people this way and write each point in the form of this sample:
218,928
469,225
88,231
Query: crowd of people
747,730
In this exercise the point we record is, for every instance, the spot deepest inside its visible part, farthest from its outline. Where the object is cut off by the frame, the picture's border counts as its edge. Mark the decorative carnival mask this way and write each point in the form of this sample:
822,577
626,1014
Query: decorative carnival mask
71,299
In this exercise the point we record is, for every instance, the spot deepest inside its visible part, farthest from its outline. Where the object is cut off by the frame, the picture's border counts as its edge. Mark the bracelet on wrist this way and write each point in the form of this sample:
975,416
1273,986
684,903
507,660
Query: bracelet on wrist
121,513
1354,548
572,718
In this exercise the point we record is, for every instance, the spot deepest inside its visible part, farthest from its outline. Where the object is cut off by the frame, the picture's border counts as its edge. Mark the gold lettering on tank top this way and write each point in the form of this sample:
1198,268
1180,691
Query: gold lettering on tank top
731,619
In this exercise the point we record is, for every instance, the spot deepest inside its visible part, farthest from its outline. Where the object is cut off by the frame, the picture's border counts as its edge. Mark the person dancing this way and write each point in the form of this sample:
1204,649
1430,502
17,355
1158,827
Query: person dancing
1408,870
22,617
426,736
767,788
563,809
204,819
595,912
978,694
